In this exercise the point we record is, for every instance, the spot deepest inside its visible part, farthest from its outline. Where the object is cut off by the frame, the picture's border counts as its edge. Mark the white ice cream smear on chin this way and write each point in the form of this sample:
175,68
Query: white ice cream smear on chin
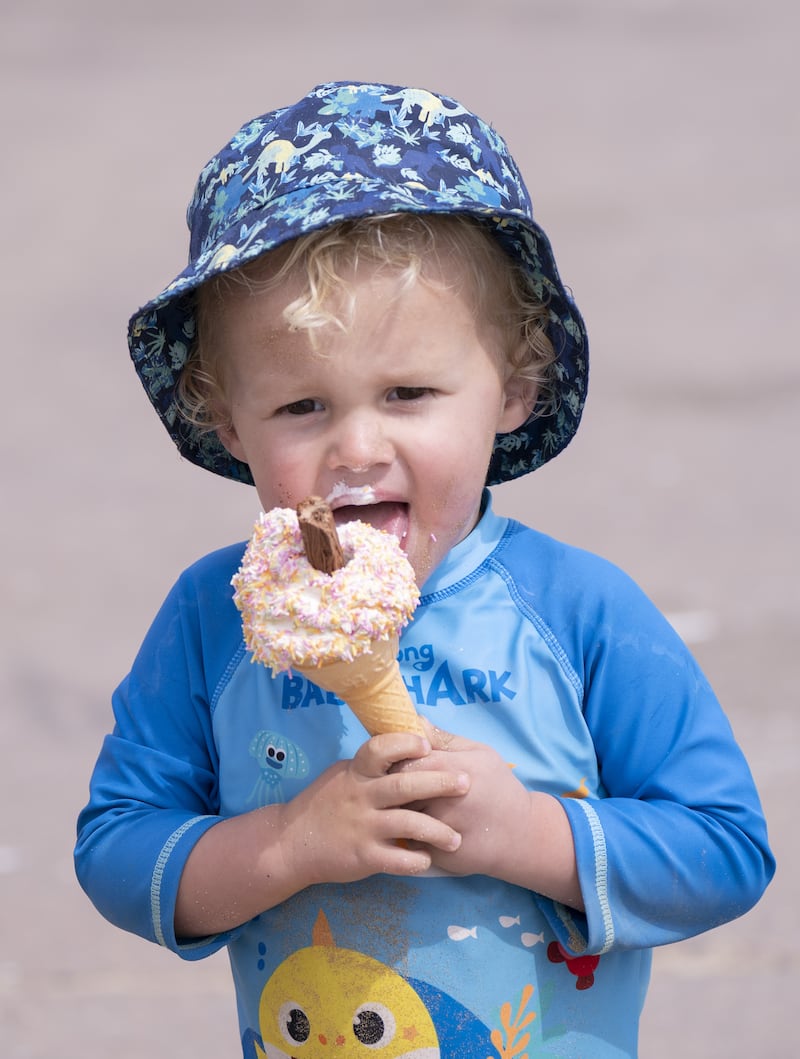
358,495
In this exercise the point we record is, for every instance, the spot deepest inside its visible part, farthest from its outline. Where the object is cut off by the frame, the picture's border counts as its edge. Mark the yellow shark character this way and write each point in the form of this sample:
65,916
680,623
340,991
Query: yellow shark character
324,1001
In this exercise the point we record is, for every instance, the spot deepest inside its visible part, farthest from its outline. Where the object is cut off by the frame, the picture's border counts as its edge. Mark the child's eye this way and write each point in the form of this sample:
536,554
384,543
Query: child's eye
301,408
408,393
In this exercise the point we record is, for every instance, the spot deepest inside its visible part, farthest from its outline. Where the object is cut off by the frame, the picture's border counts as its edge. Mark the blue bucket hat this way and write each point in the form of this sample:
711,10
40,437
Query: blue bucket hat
344,151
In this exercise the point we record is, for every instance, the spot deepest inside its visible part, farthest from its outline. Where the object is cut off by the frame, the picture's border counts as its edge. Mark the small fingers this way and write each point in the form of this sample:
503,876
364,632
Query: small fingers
441,739
378,755
405,788
416,832
403,860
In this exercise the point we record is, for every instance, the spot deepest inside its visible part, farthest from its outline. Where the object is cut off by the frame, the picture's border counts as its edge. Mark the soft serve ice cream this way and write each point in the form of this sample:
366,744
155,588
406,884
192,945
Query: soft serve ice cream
340,629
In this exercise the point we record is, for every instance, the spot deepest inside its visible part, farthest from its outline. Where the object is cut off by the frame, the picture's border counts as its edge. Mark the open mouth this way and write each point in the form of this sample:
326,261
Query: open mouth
390,516
351,503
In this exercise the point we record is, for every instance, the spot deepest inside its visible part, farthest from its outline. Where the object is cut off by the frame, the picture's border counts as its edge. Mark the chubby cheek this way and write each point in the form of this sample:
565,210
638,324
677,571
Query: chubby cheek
276,497
276,493
448,518
282,483
423,556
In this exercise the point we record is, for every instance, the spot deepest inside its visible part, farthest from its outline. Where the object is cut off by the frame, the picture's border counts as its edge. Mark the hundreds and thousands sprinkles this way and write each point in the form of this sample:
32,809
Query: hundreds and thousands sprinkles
294,615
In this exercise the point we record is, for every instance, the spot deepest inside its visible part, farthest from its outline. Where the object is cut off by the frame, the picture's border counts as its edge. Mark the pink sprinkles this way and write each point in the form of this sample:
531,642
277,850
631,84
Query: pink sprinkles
296,616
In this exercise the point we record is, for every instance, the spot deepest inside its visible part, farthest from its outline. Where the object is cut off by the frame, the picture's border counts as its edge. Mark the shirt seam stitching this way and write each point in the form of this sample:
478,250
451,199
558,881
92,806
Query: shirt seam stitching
158,876
600,873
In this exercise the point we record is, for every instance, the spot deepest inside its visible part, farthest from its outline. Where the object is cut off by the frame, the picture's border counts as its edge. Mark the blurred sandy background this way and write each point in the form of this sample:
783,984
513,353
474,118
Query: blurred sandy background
660,142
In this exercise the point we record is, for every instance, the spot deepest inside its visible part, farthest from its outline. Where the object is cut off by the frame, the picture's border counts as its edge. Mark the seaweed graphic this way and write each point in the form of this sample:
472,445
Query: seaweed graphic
514,1043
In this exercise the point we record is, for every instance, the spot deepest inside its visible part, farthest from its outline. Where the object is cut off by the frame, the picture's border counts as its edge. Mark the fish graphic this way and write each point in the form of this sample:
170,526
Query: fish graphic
455,933
508,921
529,940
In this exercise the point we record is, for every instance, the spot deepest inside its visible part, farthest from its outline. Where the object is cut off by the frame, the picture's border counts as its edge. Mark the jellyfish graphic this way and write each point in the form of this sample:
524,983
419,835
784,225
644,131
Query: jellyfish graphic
278,759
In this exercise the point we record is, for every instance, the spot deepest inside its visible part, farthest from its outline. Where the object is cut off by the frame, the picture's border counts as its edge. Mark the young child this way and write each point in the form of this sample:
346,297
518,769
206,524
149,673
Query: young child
369,303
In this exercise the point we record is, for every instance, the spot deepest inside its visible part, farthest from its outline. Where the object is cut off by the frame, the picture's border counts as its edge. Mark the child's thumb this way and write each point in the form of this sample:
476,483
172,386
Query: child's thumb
441,739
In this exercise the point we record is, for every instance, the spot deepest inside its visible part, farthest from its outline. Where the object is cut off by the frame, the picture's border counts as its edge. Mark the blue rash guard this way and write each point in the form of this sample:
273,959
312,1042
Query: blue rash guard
548,654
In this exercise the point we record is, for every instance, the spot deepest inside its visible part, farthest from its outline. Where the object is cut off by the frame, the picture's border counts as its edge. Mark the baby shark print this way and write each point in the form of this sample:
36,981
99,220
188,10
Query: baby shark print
325,1000
431,684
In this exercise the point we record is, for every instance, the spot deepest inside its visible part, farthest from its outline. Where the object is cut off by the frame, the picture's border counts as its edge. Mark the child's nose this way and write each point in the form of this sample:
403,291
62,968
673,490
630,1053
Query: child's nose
360,442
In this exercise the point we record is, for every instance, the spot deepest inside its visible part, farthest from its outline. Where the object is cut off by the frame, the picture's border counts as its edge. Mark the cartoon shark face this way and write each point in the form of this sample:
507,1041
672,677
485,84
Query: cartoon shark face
324,1001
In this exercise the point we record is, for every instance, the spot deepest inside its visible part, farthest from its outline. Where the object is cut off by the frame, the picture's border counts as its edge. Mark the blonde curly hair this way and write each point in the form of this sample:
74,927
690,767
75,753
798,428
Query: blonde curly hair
409,245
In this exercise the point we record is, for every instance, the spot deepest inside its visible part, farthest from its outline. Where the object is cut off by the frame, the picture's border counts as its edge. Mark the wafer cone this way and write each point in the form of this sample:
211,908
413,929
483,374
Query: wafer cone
370,684
372,687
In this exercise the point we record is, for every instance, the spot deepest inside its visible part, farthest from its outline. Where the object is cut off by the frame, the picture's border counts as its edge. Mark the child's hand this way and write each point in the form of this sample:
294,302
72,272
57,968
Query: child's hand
506,830
358,817
491,816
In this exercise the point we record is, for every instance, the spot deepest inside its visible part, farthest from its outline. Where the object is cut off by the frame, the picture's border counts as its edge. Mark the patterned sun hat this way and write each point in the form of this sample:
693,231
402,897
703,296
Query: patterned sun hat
349,150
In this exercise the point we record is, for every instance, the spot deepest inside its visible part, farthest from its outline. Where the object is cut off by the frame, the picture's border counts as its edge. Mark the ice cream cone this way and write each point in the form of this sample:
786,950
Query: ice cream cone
373,688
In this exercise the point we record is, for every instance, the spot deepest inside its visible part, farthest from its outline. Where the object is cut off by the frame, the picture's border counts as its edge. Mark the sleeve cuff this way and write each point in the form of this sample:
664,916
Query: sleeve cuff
164,891
592,931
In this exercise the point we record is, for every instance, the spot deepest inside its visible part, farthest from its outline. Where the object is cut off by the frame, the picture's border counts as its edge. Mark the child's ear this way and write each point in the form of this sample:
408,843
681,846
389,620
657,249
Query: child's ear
226,433
518,403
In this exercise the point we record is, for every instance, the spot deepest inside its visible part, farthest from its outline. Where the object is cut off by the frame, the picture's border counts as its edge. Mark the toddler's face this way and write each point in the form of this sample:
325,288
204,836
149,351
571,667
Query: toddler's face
394,420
